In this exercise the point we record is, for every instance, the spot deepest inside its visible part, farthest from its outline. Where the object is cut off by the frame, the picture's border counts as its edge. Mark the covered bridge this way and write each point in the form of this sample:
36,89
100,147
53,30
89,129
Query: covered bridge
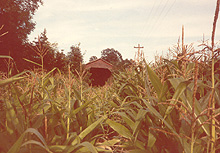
100,71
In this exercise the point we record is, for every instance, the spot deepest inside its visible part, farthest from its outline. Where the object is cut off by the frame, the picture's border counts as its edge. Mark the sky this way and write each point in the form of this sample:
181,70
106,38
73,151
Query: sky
122,24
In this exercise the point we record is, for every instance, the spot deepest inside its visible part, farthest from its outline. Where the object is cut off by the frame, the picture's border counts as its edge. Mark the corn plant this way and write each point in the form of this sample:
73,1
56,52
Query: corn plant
54,106
170,106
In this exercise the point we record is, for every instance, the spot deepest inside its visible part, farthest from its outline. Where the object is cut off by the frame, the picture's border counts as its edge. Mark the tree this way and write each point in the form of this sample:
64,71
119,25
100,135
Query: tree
112,56
16,16
92,58
60,61
52,50
75,57
43,43
126,63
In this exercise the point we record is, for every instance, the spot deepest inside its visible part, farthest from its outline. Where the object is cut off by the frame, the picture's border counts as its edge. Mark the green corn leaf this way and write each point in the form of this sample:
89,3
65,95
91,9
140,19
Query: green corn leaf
38,122
131,86
16,147
34,131
121,129
180,86
3,34
110,142
151,140
75,111
127,119
178,92
3,56
57,148
77,93
139,144
90,128
32,62
190,67
89,146
163,92
173,62
158,115
188,98
16,77
12,118
10,80
113,104
141,114
35,143
154,80
52,72
18,144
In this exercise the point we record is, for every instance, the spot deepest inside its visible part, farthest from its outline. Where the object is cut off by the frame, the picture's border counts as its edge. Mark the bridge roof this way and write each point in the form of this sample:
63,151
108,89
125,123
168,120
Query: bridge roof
99,63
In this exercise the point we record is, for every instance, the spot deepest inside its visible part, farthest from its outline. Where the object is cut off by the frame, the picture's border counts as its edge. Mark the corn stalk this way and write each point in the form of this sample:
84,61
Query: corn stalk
69,105
213,130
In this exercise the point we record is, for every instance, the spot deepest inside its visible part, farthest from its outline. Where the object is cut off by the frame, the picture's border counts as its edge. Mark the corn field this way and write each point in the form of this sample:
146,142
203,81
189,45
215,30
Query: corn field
169,106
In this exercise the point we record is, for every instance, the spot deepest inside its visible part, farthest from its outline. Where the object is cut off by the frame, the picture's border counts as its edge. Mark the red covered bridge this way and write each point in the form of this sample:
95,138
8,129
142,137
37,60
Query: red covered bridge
100,70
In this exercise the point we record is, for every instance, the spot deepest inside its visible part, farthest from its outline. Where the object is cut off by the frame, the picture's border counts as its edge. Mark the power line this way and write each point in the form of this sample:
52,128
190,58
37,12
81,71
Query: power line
159,22
156,22
148,19
152,16
163,18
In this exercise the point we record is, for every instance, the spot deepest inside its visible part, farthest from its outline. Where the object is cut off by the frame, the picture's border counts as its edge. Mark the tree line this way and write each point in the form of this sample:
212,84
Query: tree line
16,23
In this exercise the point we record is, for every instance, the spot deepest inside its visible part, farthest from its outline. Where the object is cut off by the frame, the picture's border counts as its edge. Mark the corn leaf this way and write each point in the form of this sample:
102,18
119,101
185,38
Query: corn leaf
178,92
32,62
188,98
141,114
52,72
127,119
10,80
33,142
154,80
121,129
158,115
3,56
151,140
75,111
89,146
90,128
18,144
12,118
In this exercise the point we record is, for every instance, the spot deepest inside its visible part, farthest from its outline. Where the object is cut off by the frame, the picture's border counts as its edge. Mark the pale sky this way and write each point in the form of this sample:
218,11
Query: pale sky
123,24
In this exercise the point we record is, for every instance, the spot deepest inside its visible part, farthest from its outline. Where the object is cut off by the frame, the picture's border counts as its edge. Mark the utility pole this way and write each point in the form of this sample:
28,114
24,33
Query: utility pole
139,54
183,47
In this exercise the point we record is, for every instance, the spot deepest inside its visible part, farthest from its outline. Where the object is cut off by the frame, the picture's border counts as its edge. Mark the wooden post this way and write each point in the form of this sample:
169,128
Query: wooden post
139,52
183,47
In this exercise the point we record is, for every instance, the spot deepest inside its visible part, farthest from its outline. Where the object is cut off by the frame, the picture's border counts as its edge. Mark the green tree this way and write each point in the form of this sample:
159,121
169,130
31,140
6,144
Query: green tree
42,42
92,58
61,61
17,18
75,57
126,63
111,55
53,58
52,50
